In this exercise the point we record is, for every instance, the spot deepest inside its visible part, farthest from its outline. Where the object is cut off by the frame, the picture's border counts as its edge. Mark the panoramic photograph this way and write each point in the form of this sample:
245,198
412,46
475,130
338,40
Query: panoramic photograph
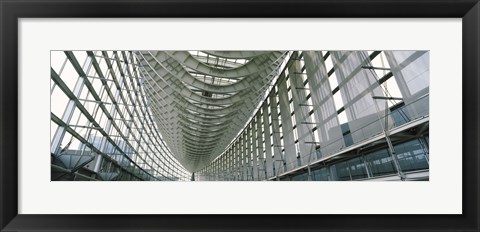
333,115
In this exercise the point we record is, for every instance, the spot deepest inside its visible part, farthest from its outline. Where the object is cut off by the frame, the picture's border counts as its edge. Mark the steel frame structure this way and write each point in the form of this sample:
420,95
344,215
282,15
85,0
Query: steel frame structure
109,102
293,131
199,119
230,115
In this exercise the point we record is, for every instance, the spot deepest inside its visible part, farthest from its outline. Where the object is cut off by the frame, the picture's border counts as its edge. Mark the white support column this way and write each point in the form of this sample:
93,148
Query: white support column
253,138
268,144
277,144
290,154
246,153
261,147
306,141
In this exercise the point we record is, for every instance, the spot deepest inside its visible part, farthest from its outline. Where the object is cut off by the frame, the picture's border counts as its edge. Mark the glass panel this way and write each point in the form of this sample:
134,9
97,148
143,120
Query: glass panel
411,156
380,163
321,174
357,168
342,171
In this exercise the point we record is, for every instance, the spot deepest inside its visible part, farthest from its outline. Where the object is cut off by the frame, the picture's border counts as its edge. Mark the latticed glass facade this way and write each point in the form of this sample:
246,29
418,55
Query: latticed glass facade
102,125
240,115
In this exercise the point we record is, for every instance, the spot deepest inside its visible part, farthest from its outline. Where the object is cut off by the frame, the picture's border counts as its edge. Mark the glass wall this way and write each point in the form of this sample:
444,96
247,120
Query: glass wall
125,115
101,123
411,154
326,102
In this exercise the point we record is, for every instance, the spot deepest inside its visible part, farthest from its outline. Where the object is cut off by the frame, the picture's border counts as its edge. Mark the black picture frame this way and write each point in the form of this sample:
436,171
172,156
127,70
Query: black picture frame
12,10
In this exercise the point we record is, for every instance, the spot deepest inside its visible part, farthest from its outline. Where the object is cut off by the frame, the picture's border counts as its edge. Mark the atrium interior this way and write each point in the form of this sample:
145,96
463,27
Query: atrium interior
239,115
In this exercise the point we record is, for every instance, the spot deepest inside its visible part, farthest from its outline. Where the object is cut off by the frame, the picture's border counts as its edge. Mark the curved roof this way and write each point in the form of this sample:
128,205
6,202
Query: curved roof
201,100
